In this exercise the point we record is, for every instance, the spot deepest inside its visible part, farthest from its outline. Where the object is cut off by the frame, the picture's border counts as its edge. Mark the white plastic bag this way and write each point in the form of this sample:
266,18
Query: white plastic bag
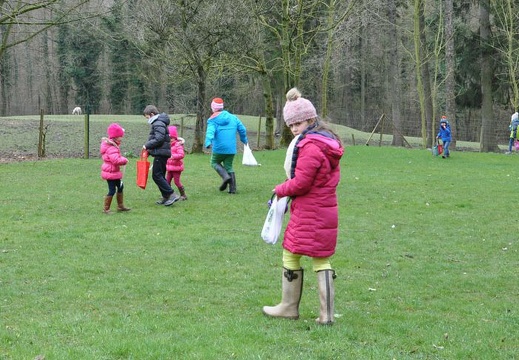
248,158
274,221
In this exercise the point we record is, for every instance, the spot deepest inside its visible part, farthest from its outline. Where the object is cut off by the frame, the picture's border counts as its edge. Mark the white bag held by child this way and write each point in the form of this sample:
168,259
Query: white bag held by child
248,158
274,221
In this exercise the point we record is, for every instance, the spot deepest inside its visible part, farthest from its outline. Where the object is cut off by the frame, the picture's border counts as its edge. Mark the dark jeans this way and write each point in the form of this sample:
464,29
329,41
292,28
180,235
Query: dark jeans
158,174
114,185
446,151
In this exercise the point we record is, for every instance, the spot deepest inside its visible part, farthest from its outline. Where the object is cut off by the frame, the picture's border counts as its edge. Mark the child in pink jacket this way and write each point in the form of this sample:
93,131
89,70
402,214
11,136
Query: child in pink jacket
111,168
313,169
175,164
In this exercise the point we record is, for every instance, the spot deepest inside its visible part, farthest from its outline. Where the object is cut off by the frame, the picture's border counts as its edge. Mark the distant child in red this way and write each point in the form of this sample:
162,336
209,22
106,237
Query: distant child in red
111,168
175,164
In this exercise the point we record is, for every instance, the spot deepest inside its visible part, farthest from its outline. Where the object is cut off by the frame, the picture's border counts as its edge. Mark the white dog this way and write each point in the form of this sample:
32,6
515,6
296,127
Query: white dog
76,111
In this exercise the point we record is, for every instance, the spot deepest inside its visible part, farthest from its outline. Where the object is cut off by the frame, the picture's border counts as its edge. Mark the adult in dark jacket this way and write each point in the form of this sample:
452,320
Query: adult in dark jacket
158,146
313,169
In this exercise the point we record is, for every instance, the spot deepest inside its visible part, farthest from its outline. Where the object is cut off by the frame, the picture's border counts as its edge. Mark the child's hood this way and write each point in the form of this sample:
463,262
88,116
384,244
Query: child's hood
332,149
221,118
106,143
160,117
179,140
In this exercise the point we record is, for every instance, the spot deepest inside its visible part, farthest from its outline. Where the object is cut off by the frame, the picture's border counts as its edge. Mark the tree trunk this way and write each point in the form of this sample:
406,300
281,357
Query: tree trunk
48,98
288,74
327,61
269,112
4,83
198,142
488,140
363,76
394,75
419,61
450,66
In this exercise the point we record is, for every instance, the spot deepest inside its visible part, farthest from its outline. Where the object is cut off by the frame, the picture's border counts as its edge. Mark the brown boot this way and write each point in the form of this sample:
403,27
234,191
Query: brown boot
182,192
108,202
326,296
292,288
120,202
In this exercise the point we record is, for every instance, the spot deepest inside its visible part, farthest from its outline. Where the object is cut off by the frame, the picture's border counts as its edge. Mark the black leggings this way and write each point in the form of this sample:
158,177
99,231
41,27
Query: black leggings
113,185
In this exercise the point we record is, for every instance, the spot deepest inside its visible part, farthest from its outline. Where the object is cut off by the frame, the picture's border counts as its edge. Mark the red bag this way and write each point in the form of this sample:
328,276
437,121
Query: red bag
143,168
440,149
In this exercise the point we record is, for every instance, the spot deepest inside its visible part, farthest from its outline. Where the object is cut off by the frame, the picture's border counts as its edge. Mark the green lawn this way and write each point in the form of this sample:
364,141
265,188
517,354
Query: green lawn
427,263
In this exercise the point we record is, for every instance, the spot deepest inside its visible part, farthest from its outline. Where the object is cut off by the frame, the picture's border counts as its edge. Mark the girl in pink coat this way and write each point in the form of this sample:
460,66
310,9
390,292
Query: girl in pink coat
111,168
175,164
313,171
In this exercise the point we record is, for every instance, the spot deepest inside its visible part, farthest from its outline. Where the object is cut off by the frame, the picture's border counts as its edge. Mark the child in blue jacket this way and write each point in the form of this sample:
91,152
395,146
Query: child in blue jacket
445,135
221,137
514,123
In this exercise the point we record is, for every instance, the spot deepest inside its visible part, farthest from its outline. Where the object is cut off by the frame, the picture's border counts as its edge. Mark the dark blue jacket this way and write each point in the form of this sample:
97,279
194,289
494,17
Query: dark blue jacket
445,133
158,143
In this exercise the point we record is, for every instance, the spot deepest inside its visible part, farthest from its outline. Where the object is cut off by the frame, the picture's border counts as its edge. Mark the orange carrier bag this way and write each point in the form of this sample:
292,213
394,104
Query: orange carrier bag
143,168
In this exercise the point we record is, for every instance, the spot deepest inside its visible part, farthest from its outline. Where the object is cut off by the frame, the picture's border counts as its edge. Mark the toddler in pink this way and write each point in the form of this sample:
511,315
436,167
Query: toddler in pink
175,164
111,168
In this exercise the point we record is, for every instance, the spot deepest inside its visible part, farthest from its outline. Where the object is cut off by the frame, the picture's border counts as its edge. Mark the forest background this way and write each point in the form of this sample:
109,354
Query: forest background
405,61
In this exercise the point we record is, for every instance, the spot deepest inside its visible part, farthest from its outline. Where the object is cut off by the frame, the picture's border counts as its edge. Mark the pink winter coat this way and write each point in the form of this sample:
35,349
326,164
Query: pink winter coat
175,162
112,160
312,228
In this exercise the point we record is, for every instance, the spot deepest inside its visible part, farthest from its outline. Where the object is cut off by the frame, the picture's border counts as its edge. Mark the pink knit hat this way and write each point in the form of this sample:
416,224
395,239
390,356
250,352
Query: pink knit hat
297,108
217,104
115,130
173,133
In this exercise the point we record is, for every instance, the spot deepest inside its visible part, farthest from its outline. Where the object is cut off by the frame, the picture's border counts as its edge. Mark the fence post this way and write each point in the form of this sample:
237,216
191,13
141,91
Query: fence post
259,132
87,132
41,152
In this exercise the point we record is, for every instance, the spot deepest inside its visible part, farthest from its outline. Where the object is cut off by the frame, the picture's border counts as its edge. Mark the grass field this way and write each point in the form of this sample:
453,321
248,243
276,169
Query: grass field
427,263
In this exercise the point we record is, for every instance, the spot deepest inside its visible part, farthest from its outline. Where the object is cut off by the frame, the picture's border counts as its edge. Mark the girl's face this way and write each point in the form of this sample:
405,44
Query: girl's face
299,127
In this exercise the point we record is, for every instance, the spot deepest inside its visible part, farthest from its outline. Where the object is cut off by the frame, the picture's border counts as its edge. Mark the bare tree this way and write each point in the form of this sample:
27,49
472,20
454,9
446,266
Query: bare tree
394,74
334,19
488,140
295,27
450,66
505,12
25,22
23,17
419,35
190,38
